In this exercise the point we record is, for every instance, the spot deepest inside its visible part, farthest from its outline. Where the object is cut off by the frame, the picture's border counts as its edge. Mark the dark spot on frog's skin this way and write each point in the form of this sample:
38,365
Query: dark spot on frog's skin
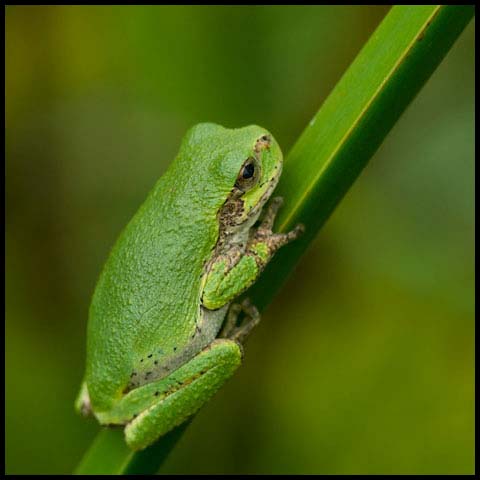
150,356
174,348
156,362
133,374
157,394
141,360
135,415
180,383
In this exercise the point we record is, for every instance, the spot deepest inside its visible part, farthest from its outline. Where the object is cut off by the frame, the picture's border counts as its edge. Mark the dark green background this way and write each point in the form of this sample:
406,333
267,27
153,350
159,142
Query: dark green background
364,362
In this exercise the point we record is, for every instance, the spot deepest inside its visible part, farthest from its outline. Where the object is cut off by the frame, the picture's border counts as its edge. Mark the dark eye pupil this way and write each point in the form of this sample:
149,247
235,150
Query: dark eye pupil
248,171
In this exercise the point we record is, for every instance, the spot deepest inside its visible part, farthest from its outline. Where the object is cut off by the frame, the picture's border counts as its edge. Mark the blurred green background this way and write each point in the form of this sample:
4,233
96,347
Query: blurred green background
365,361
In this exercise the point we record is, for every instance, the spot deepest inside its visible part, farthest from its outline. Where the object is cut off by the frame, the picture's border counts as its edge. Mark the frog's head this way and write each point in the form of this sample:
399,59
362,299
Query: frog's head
235,170
257,166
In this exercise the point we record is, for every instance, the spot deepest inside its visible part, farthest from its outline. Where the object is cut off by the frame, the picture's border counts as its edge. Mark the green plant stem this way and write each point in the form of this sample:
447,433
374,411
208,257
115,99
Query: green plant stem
356,117
109,454
389,71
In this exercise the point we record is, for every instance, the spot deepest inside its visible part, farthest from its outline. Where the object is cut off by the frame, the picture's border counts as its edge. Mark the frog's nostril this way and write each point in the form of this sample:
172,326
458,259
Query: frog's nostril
263,143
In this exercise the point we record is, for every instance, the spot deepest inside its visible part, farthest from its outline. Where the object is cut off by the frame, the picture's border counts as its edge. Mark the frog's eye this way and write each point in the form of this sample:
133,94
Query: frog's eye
249,174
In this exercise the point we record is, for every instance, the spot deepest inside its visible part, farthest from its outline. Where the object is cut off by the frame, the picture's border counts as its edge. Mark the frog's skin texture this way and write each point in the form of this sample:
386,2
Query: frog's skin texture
156,349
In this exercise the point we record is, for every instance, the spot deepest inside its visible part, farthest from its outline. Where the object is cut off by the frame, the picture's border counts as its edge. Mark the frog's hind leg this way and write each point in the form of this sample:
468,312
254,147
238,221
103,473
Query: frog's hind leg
82,402
251,320
180,395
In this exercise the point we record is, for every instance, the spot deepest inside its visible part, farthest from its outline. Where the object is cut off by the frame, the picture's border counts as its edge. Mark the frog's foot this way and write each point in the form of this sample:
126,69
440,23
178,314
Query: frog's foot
270,214
264,234
241,332
226,279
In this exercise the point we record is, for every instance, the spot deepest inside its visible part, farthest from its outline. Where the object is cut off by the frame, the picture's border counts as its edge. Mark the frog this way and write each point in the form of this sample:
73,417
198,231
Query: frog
164,332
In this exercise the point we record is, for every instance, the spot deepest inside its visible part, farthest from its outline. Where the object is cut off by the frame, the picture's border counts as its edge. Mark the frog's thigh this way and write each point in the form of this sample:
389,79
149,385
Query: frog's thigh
205,374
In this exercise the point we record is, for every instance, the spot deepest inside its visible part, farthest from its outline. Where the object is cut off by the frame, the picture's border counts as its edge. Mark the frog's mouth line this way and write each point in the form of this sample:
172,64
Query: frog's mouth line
232,216
232,212
265,197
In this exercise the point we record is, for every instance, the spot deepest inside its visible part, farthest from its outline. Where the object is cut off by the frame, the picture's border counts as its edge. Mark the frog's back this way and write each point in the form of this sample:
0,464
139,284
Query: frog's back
147,298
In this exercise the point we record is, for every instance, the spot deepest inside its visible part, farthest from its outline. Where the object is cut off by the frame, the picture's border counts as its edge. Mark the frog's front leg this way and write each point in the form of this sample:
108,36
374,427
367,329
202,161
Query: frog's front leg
264,231
228,278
